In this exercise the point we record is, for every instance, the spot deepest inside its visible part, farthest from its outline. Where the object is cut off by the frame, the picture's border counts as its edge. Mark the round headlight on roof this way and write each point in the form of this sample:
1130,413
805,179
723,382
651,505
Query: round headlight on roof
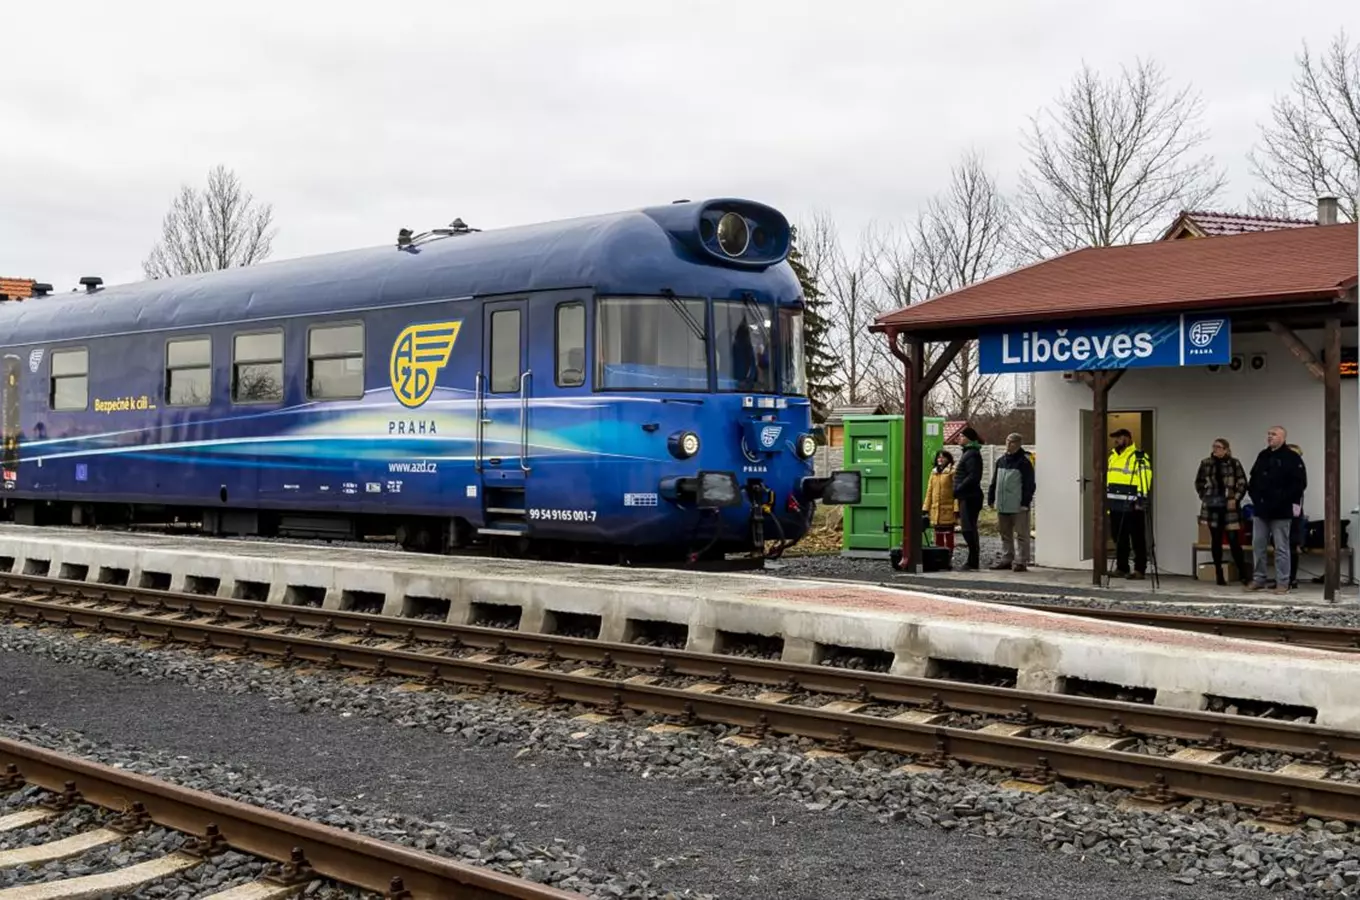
733,235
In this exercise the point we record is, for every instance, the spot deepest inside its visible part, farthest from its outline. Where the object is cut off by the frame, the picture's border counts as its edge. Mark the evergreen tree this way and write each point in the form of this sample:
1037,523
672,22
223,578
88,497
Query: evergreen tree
821,364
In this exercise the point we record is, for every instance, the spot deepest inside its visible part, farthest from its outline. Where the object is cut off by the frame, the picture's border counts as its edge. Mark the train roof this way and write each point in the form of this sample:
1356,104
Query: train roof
641,251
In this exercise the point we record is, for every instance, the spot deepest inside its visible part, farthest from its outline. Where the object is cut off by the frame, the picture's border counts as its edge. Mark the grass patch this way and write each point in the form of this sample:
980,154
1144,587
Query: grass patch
824,537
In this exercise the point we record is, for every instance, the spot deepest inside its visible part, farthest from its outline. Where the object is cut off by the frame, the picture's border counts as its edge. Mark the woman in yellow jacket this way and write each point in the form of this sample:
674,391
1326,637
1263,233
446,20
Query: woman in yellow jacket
940,505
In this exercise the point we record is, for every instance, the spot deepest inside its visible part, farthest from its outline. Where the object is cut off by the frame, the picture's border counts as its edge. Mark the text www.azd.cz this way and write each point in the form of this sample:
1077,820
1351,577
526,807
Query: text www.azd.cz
421,467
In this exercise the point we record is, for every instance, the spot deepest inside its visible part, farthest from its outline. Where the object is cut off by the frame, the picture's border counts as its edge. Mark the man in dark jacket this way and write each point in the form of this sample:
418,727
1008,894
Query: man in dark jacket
1276,487
968,492
1011,493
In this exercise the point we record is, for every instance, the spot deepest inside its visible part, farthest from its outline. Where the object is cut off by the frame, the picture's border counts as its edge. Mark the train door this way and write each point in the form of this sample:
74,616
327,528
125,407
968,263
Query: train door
9,418
504,388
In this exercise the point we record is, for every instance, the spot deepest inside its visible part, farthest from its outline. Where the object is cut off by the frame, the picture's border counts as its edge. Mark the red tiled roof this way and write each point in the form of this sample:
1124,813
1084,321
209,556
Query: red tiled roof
1161,277
1217,224
16,287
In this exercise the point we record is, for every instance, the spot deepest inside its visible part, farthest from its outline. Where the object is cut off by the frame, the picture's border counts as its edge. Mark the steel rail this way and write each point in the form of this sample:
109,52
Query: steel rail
1042,760
333,853
1061,709
1320,637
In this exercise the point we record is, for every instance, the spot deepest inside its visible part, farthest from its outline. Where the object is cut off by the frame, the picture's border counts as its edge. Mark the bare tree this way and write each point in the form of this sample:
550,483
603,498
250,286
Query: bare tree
1111,160
1311,148
848,282
221,227
963,236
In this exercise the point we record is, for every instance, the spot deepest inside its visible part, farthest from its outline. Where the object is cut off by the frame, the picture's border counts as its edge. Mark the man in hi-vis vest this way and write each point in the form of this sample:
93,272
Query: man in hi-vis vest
1128,482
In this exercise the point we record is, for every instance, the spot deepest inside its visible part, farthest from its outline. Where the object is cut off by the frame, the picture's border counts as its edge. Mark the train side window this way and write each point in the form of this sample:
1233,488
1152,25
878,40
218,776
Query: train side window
571,344
70,388
257,367
335,362
505,358
188,371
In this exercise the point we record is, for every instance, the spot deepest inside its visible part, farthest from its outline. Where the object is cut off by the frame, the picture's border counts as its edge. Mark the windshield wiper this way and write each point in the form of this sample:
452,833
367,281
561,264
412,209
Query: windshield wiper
757,313
694,326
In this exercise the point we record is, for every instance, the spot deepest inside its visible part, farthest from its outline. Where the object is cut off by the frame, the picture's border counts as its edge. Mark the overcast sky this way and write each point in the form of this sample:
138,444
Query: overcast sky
355,122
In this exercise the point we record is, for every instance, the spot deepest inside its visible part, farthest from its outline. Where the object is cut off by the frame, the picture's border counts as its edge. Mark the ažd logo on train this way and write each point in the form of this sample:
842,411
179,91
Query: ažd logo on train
419,353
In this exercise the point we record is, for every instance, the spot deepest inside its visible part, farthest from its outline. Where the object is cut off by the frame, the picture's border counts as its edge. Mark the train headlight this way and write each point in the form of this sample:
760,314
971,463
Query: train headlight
807,445
733,235
683,444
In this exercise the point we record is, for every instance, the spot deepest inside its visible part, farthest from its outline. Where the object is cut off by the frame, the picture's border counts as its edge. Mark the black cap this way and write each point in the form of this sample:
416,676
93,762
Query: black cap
1122,432
971,434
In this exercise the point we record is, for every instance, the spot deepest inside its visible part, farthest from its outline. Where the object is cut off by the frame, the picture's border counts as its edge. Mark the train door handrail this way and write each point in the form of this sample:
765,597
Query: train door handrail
525,380
481,424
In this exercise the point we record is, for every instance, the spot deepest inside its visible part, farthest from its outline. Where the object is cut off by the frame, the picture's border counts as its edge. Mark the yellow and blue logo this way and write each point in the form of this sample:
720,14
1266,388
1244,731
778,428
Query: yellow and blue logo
419,353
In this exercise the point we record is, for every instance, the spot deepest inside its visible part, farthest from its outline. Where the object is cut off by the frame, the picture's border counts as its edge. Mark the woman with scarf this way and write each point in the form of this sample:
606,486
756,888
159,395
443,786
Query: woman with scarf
939,504
1221,484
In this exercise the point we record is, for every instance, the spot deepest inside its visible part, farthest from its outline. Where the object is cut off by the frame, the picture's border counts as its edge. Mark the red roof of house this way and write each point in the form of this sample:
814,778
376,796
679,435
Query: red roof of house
16,287
1199,223
1161,277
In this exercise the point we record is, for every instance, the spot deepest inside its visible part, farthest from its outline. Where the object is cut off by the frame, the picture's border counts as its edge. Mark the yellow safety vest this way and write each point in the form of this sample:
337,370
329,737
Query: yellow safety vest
1128,477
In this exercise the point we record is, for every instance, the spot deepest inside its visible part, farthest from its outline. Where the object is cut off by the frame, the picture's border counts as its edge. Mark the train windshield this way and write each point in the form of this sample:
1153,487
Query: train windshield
742,346
652,343
792,357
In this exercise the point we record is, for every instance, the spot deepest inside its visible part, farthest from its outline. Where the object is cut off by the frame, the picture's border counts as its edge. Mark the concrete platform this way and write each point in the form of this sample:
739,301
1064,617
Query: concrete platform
922,633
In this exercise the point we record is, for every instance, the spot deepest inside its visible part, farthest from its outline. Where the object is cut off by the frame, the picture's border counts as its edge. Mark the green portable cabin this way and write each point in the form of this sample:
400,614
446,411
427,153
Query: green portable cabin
873,447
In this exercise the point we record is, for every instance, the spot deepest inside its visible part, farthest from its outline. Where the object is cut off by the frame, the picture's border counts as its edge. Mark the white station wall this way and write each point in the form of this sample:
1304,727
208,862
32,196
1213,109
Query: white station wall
1190,407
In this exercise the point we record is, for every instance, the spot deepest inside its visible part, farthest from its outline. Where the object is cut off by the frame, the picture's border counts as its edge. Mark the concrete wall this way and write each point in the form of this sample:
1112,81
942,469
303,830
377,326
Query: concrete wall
1190,407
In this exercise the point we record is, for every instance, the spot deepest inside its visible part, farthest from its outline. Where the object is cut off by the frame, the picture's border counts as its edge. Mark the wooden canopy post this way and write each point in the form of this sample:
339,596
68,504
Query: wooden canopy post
917,383
1100,383
911,455
1331,477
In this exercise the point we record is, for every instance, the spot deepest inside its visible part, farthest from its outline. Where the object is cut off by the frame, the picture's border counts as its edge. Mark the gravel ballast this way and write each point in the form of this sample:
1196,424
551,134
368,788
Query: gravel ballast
630,813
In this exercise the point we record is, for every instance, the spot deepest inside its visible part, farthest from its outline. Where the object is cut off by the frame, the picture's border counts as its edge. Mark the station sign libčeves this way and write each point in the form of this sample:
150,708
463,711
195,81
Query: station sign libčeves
1138,344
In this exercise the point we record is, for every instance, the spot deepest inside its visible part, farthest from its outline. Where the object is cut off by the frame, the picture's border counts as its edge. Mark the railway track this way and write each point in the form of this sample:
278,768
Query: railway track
303,851
1321,637
930,720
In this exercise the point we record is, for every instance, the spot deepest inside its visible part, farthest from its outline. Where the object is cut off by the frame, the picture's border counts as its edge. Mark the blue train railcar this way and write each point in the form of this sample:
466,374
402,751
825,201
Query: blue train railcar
633,382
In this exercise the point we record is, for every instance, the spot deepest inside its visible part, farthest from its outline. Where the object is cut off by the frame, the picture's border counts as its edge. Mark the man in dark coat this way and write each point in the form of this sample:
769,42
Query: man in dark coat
968,492
1276,487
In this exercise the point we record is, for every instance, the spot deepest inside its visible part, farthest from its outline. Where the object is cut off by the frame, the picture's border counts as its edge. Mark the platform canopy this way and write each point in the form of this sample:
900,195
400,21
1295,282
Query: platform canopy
1280,280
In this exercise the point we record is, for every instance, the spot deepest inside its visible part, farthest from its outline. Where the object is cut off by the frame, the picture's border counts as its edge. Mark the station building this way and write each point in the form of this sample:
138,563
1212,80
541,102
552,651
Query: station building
1225,327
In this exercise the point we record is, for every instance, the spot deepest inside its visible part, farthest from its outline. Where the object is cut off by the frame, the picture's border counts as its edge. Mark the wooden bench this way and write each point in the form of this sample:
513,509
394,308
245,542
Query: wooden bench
1347,557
